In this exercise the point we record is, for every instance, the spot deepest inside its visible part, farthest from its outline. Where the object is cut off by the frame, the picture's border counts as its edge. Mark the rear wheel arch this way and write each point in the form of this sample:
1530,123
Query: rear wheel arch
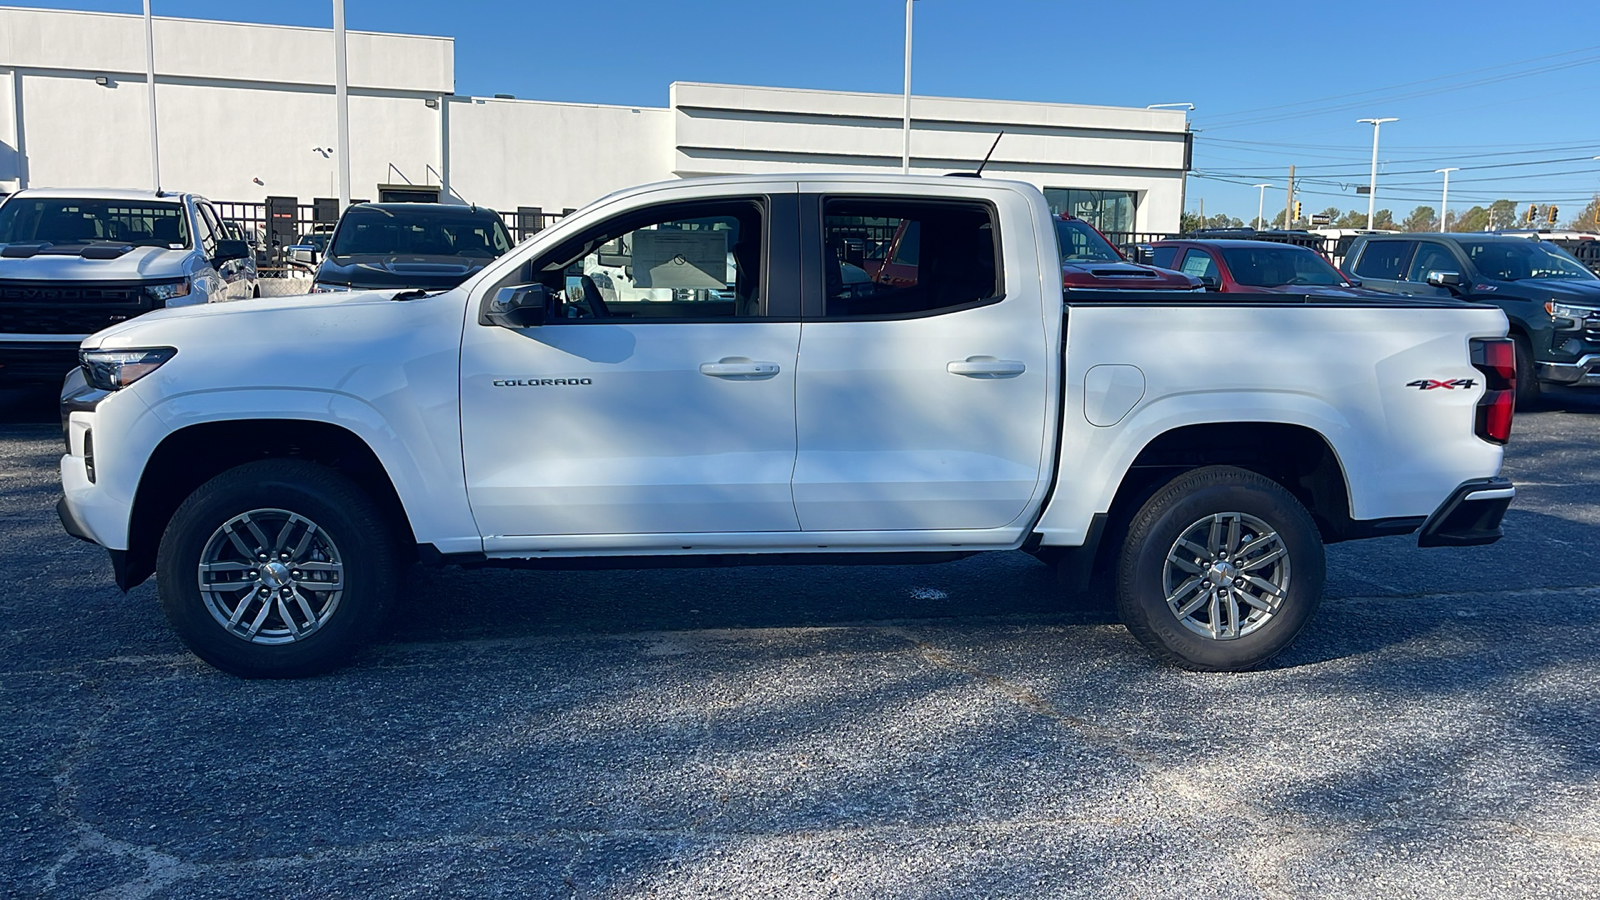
1297,457
191,456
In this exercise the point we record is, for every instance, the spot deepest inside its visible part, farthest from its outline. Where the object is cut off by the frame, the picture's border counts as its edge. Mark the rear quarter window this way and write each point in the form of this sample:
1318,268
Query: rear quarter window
1163,257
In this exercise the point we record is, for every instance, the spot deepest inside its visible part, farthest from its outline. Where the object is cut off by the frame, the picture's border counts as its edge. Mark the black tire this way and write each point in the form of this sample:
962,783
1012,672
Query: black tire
350,530
1527,381
1187,503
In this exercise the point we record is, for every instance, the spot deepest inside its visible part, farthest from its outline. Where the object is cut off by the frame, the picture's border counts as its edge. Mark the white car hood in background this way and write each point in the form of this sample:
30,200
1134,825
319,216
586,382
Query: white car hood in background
138,264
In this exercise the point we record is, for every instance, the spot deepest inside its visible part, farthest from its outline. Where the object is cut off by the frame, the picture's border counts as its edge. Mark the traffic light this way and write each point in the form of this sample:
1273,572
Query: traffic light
1533,214
1296,211
1550,213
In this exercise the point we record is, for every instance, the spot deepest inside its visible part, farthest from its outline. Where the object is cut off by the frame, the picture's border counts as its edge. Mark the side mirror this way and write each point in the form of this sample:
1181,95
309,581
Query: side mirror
1211,282
524,306
228,250
1449,280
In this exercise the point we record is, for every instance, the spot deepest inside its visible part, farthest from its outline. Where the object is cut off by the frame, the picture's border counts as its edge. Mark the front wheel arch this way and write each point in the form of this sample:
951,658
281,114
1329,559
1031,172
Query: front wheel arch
191,456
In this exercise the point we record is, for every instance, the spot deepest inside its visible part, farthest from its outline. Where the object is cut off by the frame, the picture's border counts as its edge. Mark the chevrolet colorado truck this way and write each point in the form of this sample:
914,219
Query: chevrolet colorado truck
75,261
273,463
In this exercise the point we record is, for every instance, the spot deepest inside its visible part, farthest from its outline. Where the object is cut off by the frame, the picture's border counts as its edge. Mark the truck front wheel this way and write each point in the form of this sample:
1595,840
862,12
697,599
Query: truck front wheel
276,569
1221,569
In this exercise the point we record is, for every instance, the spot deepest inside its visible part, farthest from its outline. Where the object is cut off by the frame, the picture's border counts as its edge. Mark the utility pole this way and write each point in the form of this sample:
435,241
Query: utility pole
341,98
1444,201
905,153
1288,207
150,88
1372,186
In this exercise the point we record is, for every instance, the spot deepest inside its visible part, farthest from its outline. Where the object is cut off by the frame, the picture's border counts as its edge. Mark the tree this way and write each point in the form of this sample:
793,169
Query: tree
1588,219
1352,219
1223,220
1474,219
1503,214
1190,222
1332,213
1421,219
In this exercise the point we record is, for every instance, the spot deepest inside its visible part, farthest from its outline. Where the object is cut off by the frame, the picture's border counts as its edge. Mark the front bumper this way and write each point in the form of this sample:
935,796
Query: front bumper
1470,516
1583,373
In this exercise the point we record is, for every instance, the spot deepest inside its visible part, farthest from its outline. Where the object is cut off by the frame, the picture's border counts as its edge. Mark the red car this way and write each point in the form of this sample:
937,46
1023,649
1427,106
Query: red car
1089,261
1257,267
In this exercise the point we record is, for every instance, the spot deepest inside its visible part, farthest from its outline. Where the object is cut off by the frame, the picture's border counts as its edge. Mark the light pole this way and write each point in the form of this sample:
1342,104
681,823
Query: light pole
905,152
1444,201
1261,204
1372,187
150,88
341,91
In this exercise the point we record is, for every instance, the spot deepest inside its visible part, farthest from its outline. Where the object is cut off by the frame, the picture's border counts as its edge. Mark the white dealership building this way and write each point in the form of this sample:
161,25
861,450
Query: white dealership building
247,112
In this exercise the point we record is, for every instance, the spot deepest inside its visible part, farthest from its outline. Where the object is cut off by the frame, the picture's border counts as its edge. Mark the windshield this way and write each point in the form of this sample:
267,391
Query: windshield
59,220
1517,259
1270,266
426,231
1081,243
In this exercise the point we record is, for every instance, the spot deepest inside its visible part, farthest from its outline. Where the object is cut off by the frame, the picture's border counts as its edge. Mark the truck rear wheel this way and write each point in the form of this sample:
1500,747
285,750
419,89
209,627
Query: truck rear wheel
276,569
1221,569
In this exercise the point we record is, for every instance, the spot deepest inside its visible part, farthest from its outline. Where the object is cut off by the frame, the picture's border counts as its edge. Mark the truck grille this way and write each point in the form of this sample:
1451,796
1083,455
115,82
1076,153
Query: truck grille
68,307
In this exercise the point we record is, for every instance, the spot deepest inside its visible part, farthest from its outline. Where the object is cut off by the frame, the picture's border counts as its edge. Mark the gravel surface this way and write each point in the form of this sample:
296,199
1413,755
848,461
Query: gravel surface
957,730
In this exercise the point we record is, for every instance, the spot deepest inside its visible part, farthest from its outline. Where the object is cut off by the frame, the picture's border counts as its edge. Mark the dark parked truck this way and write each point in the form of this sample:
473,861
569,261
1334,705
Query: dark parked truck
410,245
1551,299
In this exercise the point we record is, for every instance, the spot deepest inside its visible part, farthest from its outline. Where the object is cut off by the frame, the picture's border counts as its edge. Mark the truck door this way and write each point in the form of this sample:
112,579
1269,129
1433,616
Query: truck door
1382,265
922,399
658,398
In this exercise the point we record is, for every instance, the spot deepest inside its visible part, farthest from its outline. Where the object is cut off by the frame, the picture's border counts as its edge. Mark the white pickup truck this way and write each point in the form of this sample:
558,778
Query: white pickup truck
274,462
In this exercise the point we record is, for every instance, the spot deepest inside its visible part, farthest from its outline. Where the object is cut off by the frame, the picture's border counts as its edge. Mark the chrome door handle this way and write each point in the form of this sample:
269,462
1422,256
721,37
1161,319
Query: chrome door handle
739,367
987,367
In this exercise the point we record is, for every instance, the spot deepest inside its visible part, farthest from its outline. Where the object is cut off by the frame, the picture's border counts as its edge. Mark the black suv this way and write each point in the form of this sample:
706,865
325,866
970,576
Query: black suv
1551,299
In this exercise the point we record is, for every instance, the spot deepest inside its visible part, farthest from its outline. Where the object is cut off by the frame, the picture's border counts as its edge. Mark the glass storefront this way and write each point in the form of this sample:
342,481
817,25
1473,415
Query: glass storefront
1105,210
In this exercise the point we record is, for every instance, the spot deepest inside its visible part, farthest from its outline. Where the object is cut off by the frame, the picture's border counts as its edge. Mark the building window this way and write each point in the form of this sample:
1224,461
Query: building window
1105,210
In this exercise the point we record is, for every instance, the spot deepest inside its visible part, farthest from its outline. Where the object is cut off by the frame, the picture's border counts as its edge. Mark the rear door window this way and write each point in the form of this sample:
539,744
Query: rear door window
893,257
1163,257
1385,260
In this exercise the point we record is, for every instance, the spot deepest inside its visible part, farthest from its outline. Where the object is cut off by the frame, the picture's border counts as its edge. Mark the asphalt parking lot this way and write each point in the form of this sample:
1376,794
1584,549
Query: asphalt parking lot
957,730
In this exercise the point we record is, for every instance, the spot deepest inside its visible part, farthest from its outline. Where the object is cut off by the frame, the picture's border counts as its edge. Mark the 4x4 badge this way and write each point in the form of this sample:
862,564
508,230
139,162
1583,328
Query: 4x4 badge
1428,384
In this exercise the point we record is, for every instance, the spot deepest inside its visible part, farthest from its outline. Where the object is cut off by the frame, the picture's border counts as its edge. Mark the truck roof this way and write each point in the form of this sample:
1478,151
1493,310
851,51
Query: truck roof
815,177
102,194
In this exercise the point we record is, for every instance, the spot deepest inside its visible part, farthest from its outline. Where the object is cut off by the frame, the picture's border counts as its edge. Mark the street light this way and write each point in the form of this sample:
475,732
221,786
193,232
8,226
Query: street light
1444,201
1261,204
905,152
1372,186
341,99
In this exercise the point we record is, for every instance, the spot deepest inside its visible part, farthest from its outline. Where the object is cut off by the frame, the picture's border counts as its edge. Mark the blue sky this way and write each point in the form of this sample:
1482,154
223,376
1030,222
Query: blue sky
1474,84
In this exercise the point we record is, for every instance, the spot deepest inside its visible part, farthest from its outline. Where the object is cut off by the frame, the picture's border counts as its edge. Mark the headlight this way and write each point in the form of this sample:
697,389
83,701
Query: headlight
1555,308
113,370
324,288
169,290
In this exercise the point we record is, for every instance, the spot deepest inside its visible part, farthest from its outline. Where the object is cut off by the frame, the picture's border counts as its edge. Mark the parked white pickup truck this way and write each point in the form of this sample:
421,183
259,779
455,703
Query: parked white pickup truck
274,462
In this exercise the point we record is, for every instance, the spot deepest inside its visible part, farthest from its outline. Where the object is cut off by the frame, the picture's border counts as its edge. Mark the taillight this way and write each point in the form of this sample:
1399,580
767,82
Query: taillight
1496,358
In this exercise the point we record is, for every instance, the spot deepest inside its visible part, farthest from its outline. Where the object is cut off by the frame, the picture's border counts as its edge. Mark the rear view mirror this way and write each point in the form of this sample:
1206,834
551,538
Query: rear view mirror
1211,282
524,306
1448,280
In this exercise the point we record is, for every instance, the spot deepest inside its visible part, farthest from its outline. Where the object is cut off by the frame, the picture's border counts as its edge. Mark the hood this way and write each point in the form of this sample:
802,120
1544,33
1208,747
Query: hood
138,331
1126,275
400,271
68,263
1583,293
